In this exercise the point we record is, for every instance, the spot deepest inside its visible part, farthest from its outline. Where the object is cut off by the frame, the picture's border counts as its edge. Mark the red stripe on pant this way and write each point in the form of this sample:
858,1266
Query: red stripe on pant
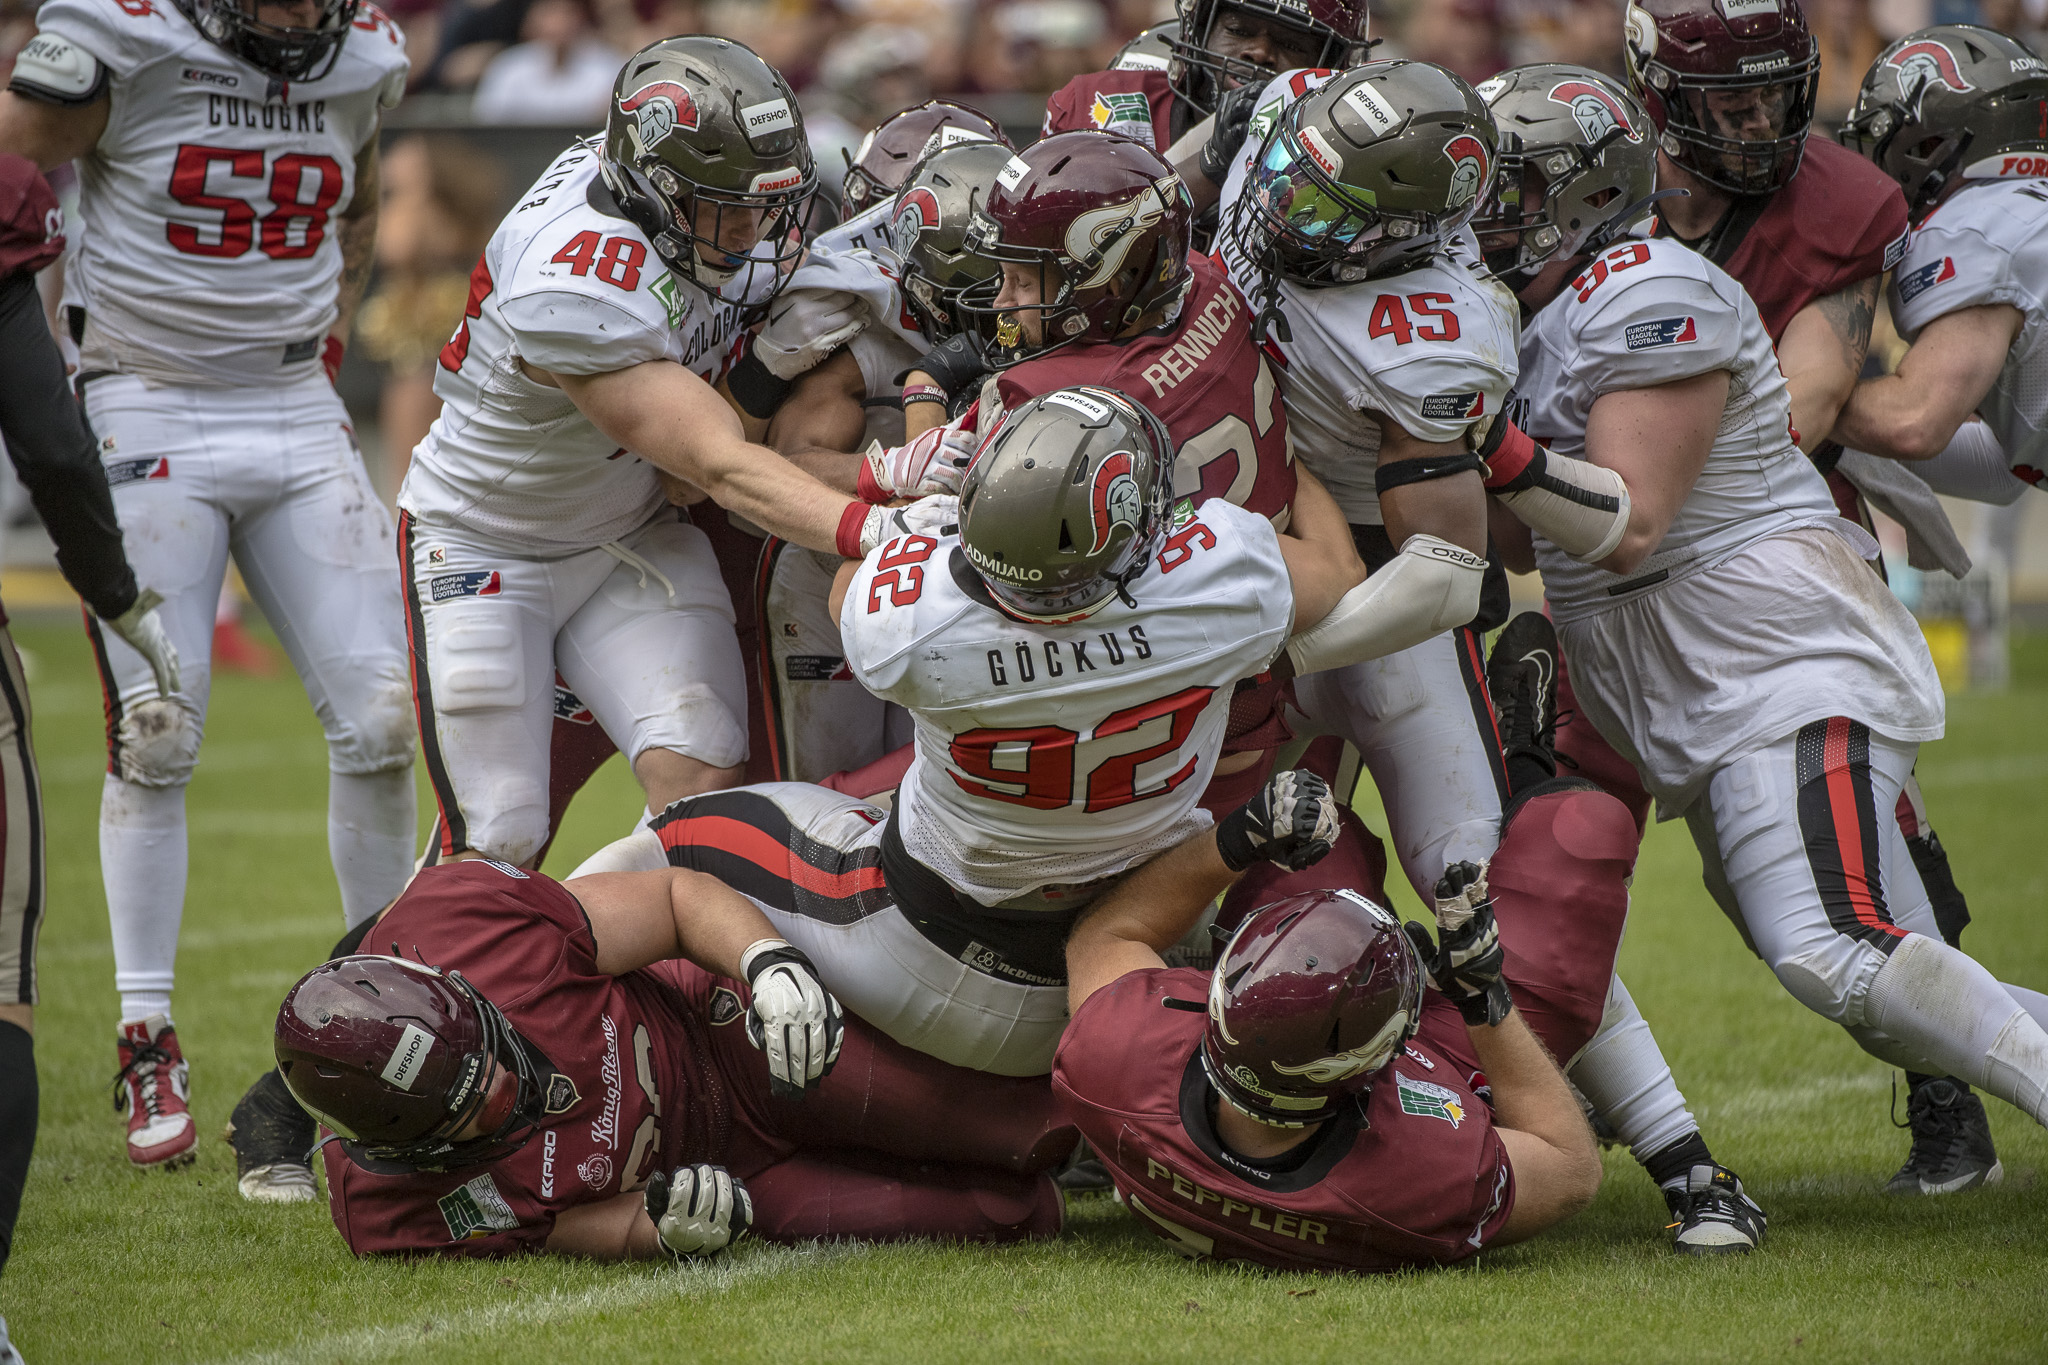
454,829
1853,835
743,840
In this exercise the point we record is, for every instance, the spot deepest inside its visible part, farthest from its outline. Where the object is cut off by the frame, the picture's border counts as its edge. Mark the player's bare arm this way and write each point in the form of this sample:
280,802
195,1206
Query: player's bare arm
1912,415
50,134
1822,353
356,228
1322,558
819,426
640,918
1146,913
1657,440
1555,1159
1451,508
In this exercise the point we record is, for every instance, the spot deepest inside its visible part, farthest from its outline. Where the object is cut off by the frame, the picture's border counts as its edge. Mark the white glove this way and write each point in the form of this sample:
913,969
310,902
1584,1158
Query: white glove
806,326
794,1019
933,463
926,517
142,626
698,1210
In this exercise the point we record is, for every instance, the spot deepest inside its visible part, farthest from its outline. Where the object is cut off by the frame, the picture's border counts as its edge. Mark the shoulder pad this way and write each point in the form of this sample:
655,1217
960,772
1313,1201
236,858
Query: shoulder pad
56,70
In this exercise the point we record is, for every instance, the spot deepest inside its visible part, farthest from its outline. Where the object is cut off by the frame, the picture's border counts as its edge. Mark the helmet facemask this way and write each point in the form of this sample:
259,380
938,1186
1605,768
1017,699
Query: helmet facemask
1200,75
1517,222
281,51
1704,140
671,211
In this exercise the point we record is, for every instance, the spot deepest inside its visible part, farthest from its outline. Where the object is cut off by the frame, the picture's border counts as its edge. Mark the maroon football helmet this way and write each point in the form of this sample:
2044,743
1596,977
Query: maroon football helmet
1756,59
889,153
1104,219
1313,996
1200,76
395,1056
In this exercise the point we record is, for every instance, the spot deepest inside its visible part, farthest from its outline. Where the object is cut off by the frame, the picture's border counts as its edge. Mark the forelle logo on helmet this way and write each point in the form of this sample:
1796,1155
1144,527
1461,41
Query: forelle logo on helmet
408,1057
1114,499
1112,231
1594,110
659,108
1468,154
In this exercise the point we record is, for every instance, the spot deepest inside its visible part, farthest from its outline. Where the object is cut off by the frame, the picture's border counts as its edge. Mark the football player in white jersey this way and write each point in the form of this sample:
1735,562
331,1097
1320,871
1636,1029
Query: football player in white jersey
534,530
227,159
1954,113
1734,599
1343,221
1068,653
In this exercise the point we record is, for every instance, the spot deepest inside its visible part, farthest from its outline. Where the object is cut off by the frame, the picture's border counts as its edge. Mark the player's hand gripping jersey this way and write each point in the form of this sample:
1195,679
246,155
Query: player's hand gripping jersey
1775,640
1419,1178
211,254
568,286
1988,243
1201,375
1433,348
1063,754
1137,104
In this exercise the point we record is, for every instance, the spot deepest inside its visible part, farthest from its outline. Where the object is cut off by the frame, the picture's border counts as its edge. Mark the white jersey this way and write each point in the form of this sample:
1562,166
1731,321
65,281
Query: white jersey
1646,313
854,261
1433,349
1059,755
569,287
1755,615
212,255
1989,244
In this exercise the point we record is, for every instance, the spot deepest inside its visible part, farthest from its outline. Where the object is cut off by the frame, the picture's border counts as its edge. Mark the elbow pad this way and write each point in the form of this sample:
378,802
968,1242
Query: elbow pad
1578,506
1428,588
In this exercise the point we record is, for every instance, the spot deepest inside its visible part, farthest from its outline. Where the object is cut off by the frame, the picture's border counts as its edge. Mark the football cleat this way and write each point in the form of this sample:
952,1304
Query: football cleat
273,1139
1952,1149
153,1087
8,1355
1084,1173
1714,1216
1521,677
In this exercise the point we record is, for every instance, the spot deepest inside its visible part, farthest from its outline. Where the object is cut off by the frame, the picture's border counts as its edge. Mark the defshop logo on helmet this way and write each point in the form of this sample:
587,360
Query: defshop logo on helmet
406,1059
1594,110
1749,9
1468,155
950,135
658,109
1368,105
1112,231
1925,64
1114,499
769,116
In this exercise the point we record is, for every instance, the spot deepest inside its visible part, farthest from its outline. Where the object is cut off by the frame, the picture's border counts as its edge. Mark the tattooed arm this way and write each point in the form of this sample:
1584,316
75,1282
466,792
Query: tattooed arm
1821,355
356,226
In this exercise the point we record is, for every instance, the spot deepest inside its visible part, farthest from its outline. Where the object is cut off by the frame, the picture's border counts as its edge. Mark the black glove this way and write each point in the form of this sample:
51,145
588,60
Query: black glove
1466,963
954,364
698,1210
1291,822
1226,139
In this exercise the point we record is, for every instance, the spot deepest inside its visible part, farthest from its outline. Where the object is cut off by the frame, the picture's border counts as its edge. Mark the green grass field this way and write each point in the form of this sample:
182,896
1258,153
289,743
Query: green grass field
111,1264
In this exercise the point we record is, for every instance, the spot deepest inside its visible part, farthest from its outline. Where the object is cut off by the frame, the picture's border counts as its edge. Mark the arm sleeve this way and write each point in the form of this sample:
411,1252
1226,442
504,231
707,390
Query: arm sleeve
54,453
1434,398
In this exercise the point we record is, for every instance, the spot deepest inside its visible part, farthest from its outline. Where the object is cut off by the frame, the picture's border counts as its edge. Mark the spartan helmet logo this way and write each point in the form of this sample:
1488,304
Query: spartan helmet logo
1468,155
916,212
1923,65
1112,231
1594,110
1114,499
658,110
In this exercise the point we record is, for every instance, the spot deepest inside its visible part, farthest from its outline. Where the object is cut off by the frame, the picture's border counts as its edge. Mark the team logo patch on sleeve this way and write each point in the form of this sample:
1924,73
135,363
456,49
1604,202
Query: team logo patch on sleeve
1914,283
476,1210
570,707
475,583
1648,336
1896,250
136,471
1122,112
1454,407
1427,1099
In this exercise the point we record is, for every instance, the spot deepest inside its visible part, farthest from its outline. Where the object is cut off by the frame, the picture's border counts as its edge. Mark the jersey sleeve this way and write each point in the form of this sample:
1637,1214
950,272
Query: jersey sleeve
1949,266
119,38
1656,329
486,913
899,596
1060,116
381,1215
1122,1052
578,324
1435,396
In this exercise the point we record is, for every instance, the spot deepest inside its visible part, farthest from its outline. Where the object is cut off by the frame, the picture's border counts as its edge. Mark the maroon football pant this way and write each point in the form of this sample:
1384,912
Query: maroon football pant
835,1195
1583,752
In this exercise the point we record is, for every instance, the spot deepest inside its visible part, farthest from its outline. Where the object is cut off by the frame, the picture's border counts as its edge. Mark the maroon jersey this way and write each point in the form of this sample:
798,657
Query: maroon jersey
1138,104
629,1090
1839,220
1424,1180
1203,377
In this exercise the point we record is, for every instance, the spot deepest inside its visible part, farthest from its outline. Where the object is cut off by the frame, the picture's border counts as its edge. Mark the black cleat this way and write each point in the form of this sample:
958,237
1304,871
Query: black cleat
1521,676
1952,1149
1084,1173
1714,1217
273,1141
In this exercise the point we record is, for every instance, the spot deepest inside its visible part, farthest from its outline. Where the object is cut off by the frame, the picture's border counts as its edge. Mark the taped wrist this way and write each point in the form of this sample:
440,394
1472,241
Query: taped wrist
1578,506
759,393
853,523
1399,474
1513,459
868,483
1425,590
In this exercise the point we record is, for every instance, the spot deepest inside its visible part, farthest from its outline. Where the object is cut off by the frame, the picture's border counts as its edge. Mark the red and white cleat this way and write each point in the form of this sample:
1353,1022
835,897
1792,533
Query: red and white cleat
152,1087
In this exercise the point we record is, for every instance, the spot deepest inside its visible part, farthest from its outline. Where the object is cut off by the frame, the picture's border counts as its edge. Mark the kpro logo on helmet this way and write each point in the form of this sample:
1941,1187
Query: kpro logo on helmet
658,109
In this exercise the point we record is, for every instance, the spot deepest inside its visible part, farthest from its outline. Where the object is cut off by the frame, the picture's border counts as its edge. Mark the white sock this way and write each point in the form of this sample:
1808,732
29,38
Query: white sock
142,863
1622,1072
1943,1005
640,851
370,829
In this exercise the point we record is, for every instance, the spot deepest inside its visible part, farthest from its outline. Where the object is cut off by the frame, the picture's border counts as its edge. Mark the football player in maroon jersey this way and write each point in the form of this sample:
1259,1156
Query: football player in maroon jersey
579,1069
1809,228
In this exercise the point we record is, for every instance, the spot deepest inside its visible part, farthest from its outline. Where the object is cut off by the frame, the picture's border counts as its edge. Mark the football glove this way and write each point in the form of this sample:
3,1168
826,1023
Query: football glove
1291,822
936,515
1466,963
142,626
794,1019
698,1210
930,464
1226,139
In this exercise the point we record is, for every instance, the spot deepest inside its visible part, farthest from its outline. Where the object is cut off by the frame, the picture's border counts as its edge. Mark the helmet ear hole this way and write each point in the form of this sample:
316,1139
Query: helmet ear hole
1066,538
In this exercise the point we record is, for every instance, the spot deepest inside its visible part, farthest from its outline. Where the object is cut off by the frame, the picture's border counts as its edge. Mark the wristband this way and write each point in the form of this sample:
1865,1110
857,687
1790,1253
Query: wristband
758,392
330,357
1508,453
852,522
924,393
1402,472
